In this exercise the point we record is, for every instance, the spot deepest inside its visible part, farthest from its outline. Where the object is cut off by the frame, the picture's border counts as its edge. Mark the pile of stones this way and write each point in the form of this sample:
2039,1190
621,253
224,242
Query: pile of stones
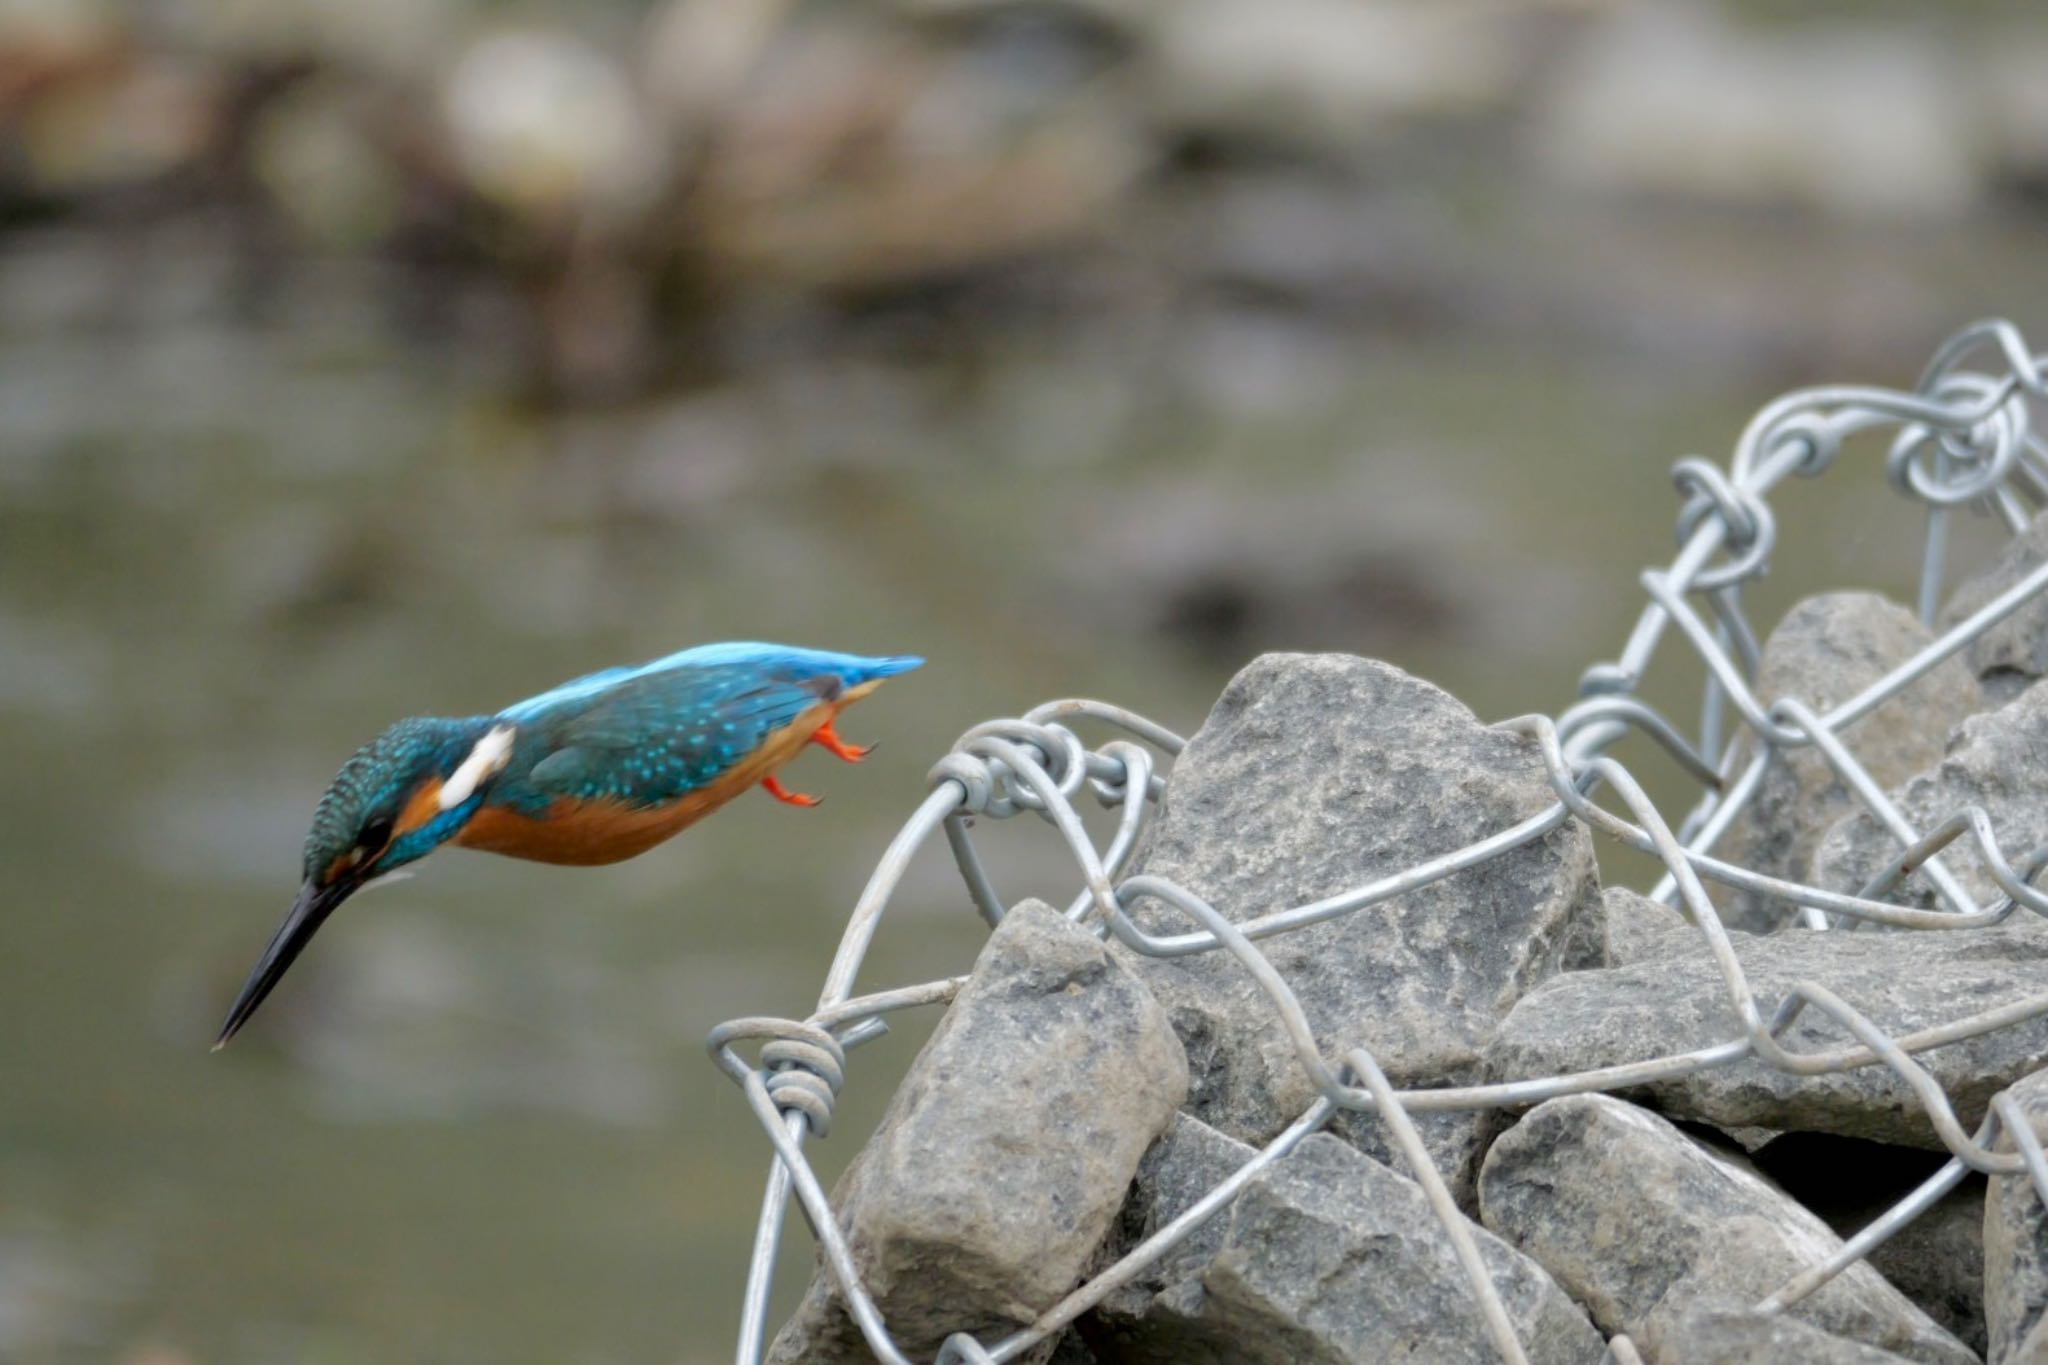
1079,1096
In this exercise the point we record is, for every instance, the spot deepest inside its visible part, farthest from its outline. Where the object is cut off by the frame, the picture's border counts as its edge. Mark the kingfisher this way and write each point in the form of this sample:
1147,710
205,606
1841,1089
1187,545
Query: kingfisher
596,770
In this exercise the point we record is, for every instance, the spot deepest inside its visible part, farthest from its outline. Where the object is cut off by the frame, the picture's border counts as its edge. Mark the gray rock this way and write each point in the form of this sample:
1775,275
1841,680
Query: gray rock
2015,88
1826,650
1848,119
1730,1336
1314,774
1937,1260
2014,652
1642,1226
1994,760
1638,929
586,96
1901,981
2034,1348
1177,1171
2016,1248
1456,1143
1326,1257
1005,1154
1322,75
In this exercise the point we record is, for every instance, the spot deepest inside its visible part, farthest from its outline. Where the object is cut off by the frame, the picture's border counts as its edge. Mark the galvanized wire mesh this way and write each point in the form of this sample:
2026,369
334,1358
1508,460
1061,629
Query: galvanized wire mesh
1963,440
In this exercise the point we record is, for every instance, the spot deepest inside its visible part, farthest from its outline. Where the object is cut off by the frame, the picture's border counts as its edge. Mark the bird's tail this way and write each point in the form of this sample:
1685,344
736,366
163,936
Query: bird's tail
888,667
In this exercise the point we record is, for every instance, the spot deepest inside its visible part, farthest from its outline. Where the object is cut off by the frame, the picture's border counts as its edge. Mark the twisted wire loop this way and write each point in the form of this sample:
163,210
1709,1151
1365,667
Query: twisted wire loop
1964,439
801,1069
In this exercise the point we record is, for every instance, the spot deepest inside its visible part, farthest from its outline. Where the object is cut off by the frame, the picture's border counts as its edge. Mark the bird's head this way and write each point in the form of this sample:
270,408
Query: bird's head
397,799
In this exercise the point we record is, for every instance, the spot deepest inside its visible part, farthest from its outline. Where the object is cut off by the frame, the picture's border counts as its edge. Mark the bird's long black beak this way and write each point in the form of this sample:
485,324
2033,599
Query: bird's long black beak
308,913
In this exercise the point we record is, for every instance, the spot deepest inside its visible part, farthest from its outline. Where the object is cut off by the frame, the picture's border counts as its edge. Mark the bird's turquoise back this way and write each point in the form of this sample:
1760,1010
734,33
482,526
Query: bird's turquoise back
647,735
766,659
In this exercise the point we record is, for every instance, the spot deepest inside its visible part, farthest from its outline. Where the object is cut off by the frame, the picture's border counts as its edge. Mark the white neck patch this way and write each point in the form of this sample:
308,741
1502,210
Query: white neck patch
485,761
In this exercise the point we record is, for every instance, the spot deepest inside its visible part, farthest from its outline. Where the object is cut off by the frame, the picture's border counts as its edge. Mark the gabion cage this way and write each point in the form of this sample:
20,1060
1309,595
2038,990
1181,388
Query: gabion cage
1963,440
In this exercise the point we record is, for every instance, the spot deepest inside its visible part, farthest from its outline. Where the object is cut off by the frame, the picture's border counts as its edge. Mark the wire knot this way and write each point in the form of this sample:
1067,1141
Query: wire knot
1752,532
1112,768
996,764
802,1066
1948,464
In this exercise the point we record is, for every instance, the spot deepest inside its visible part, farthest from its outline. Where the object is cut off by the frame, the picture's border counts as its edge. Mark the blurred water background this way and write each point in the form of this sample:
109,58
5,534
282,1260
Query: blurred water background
369,357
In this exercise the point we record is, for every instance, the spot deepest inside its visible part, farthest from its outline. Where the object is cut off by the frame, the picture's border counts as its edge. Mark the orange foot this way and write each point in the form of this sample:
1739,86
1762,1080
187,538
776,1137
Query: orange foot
839,748
782,793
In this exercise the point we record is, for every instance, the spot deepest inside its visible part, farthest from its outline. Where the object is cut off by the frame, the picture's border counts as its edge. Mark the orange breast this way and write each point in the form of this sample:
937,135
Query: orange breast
584,833
580,832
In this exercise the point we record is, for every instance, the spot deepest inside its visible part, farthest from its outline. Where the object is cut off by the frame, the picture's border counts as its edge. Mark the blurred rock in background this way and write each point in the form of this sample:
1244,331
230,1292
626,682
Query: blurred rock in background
636,178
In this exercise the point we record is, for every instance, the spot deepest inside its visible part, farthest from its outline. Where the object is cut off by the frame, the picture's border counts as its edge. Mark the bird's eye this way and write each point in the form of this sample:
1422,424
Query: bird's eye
375,835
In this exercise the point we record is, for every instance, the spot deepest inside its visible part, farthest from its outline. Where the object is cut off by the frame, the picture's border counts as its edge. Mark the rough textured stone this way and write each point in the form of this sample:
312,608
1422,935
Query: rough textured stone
1327,1257
1177,1171
2033,1348
2016,1249
1937,1260
1901,981
1730,1336
2014,652
1005,1154
1638,929
1826,650
1994,760
1314,774
1642,1226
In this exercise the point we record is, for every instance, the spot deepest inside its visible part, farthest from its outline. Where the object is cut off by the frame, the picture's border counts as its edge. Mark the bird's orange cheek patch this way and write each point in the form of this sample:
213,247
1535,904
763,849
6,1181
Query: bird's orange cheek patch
422,806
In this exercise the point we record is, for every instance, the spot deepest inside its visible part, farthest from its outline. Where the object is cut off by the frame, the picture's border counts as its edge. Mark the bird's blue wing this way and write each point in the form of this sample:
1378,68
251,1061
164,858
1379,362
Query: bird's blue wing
777,661
653,736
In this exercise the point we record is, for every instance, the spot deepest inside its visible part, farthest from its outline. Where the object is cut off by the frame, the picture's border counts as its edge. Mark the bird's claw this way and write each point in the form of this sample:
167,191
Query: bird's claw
784,794
839,748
